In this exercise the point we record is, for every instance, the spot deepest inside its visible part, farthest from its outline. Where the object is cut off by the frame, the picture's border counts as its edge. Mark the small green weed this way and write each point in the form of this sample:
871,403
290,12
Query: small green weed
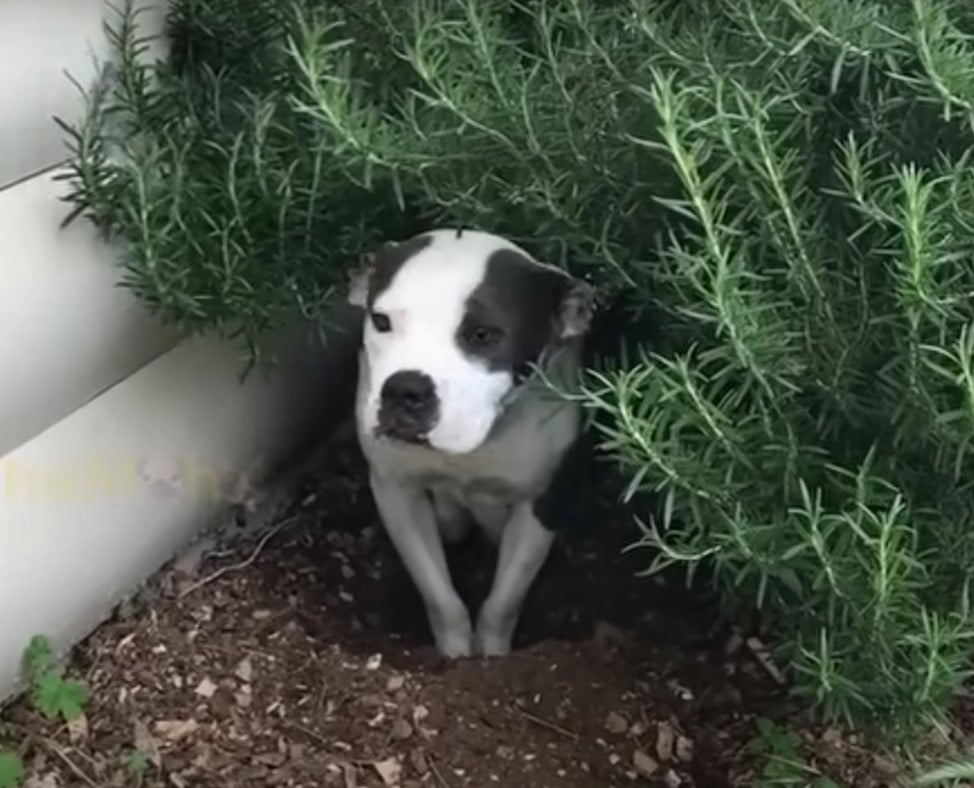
52,694
137,765
11,770
784,764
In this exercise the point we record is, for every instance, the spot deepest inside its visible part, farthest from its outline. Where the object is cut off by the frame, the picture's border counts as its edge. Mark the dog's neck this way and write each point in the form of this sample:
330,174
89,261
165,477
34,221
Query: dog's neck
553,376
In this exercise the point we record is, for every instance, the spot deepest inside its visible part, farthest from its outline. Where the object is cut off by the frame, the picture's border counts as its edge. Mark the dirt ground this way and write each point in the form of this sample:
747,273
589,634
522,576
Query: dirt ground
301,658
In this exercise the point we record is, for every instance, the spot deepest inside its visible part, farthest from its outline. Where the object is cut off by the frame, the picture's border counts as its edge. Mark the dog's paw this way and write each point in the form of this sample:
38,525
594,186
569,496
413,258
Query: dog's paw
493,638
453,634
493,645
455,645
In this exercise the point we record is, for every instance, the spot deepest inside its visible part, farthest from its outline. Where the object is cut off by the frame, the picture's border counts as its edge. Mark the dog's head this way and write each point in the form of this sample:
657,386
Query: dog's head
454,321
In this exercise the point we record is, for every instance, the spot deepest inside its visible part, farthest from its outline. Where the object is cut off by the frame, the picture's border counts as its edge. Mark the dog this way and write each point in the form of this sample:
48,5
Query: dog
469,349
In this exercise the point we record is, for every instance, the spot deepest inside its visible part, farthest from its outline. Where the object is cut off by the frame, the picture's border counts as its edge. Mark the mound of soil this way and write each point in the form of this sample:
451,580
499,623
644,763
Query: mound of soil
301,657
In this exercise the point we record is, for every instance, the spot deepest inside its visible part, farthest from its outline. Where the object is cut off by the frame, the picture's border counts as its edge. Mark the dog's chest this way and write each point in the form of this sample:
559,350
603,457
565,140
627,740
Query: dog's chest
513,466
506,470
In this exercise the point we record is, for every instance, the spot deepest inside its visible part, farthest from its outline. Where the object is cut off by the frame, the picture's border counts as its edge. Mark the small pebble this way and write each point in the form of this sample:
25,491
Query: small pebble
374,662
206,689
644,764
684,749
616,724
245,671
401,729
664,741
417,759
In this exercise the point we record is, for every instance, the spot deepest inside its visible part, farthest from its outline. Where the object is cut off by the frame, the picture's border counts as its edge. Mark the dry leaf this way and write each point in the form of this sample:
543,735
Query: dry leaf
175,730
644,764
206,689
273,759
146,744
664,741
389,770
245,670
78,729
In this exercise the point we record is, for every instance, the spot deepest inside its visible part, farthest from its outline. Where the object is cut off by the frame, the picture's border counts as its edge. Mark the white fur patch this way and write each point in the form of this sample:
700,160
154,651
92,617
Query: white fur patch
425,304
425,493
496,484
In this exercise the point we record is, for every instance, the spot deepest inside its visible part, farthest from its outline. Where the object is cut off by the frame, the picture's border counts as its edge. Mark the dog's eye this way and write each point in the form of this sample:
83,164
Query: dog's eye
481,335
381,322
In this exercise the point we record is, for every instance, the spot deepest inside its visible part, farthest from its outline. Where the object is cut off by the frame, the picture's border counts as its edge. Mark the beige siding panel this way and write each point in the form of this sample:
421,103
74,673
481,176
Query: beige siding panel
67,331
40,40
96,503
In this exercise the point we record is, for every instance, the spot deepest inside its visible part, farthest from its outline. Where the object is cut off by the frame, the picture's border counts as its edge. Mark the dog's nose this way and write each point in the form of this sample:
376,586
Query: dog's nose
410,390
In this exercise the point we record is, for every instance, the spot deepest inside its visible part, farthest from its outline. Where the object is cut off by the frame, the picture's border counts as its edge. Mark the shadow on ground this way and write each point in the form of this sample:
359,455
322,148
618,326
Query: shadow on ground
307,662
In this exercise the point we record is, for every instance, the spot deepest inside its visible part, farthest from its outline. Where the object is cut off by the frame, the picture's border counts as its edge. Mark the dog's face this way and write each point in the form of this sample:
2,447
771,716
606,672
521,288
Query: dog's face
454,321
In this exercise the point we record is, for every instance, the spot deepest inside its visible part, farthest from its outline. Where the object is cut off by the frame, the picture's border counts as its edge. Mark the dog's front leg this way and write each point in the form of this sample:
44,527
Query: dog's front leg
409,519
524,546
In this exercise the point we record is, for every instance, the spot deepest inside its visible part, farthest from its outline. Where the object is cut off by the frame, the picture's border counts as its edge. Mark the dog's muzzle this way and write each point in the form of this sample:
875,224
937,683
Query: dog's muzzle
409,406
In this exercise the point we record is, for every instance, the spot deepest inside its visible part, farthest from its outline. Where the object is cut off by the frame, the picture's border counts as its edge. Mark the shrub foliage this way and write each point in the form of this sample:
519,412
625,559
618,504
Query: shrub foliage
781,187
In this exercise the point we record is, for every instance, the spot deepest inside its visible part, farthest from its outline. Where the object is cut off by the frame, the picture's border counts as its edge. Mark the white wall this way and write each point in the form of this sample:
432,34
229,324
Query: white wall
39,41
66,331
112,432
95,503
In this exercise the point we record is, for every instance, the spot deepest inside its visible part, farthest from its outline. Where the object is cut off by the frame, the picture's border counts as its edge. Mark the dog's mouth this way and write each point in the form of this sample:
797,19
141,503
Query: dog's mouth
400,434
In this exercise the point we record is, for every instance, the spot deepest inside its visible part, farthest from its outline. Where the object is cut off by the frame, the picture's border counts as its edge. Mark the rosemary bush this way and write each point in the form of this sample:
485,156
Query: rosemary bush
780,188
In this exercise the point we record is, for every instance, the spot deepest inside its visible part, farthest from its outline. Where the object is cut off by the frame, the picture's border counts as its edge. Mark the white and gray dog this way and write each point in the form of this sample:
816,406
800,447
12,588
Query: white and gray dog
466,338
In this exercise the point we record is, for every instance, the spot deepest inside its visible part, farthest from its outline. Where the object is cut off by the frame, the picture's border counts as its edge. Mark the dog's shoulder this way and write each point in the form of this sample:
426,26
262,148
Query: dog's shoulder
556,452
565,503
531,446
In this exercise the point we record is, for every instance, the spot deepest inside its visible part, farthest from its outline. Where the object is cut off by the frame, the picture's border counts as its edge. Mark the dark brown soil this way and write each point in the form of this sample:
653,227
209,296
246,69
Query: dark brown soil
303,659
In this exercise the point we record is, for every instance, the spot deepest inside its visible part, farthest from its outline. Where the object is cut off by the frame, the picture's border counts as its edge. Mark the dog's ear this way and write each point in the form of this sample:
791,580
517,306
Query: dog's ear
576,309
358,281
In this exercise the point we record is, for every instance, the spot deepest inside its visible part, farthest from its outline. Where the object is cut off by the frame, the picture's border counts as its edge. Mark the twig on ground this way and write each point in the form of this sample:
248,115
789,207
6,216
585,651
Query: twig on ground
437,773
549,725
29,736
763,657
310,734
54,747
328,747
243,564
85,757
